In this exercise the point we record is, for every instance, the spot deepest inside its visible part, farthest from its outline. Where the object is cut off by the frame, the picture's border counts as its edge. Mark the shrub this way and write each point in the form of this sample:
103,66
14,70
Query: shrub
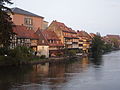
59,54
3,51
42,56
72,53
15,56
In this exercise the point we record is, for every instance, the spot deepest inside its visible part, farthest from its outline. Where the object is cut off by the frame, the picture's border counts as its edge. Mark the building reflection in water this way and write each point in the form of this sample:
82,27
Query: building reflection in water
84,63
42,68
39,73
57,73
53,75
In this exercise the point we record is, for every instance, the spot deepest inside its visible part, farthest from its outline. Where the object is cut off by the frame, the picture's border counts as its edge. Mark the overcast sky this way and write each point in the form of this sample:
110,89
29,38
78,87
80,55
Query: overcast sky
90,15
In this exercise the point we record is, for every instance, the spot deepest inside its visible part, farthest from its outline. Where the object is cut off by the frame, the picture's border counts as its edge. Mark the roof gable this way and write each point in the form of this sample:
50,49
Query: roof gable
50,35
63,27
41,37
83,34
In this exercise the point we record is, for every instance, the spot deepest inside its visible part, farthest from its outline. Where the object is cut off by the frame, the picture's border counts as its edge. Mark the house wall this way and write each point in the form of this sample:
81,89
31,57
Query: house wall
58,31
45,25
84,44
18,19
43,50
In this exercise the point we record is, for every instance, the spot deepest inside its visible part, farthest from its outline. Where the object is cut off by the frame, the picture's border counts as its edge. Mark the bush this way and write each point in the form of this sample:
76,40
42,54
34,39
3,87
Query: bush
42,56
16,56
59,54
72,53
3,51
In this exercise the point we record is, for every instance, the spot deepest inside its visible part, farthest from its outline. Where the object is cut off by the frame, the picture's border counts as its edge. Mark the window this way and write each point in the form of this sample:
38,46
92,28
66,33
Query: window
30,28
43,41
28,21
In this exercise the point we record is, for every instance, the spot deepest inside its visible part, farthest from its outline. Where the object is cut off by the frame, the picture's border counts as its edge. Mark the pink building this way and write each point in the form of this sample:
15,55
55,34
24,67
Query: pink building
28,19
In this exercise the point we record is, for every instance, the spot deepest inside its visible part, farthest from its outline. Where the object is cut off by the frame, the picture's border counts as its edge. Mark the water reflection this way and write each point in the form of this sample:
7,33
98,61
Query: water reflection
71,75
52,76
10,76
97,61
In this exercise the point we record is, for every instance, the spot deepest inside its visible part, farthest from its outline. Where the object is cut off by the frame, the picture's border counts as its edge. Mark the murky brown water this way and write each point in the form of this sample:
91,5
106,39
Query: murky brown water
84,74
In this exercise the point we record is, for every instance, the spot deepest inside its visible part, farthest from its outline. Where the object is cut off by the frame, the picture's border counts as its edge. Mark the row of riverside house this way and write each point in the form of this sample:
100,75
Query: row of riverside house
32,31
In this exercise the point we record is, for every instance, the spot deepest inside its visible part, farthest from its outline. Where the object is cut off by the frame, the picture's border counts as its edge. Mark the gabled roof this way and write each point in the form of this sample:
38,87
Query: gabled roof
24,12
23,32
63,27
83,34
50,35
41,37
92,35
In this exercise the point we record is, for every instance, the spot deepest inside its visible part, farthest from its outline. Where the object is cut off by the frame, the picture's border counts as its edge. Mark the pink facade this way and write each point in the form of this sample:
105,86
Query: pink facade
36,22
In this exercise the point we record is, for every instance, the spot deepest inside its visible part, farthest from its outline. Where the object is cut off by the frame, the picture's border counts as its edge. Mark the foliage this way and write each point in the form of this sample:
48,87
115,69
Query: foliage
68,52
59,54
42,56
16,56
97,45
107,48
115,42
3,51
21,52
5,24
71,53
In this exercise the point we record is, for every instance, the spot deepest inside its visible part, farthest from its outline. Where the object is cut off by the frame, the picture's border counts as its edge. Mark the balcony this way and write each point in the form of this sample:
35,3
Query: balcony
80,42
68,42
80,47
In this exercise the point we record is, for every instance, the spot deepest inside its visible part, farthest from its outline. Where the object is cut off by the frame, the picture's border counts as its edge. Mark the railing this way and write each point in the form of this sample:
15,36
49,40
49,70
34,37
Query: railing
68,42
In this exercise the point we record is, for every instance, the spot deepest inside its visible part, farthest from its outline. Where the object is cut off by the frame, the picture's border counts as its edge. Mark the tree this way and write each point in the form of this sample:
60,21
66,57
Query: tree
97,45
5,24
115,42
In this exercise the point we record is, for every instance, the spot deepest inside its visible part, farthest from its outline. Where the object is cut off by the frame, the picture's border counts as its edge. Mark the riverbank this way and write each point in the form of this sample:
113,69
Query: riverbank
40,61
55,60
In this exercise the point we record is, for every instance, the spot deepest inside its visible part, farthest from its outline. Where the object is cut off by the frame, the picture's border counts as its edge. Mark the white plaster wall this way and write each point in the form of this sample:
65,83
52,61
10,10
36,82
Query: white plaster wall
43,50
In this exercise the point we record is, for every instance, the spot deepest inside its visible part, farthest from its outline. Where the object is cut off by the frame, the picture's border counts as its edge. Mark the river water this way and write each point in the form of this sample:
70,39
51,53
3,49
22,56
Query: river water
84,74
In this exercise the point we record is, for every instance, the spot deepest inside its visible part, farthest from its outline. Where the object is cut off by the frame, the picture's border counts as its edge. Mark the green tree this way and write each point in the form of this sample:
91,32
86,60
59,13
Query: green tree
71,53
115,42
5,24
107,47
97,45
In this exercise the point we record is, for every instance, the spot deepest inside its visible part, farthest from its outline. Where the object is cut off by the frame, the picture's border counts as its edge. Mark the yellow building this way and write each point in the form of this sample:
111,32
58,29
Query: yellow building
84,41
67,36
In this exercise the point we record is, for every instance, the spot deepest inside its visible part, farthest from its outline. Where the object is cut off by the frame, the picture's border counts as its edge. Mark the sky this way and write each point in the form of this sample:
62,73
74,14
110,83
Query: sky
89,15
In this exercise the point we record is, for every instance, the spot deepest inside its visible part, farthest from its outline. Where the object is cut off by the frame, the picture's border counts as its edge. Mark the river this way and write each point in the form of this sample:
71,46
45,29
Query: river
84,74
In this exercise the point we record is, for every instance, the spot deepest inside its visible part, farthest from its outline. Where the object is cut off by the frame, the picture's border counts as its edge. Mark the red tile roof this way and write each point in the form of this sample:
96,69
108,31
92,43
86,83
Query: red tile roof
23,32
92,35
63,27
83,34
51,35
114,36
41,37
